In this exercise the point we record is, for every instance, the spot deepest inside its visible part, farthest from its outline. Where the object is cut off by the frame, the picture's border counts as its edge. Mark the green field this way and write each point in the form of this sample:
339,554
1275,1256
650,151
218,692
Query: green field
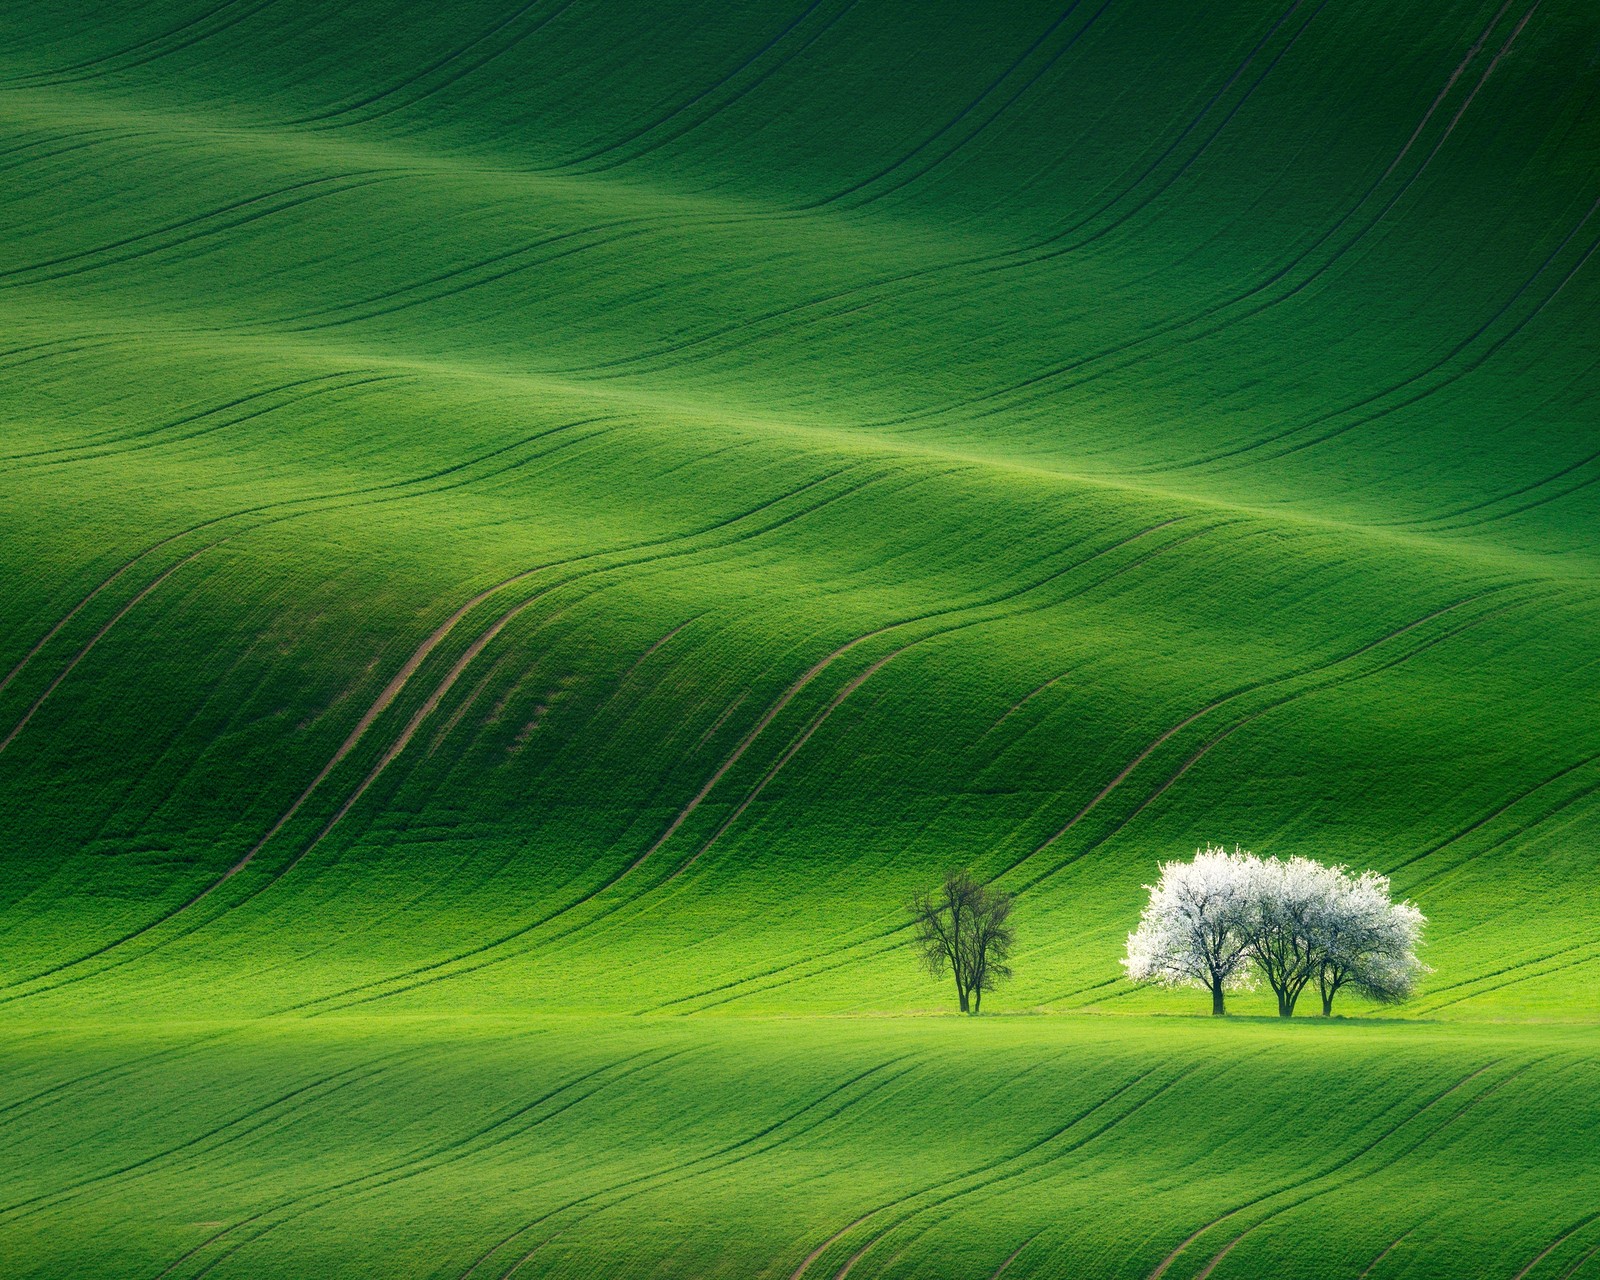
529,529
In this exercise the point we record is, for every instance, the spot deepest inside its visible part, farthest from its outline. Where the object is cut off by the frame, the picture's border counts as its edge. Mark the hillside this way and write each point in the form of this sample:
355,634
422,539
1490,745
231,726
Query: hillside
519,517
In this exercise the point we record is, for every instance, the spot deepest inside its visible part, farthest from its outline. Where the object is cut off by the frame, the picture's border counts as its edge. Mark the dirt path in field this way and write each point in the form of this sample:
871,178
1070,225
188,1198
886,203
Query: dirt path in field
822,1248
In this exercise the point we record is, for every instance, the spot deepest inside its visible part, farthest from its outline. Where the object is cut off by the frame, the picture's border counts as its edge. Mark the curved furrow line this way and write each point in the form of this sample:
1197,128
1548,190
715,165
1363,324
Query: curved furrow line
220,542
982,127
89,71
445,1150
1484,79
788,1118
1525,508
296,322
350,382
987,92
425,1163
1233,695
93,641
1398,1241
462,73
1227,733
1441,520
1022,702
624,229
921,274
55,348
1376,220
805,1263
793,749
50,345
1052,247
182,224
192,1148
37,78
1472,53
351,182
1448,379
575,163
1583,1260
998,261
1034,256
79,607
1557,1243
429,973
722,719
1531,825
470,654
1451,378
58,350
1167,328
290,1201
633,669
116,433
1524,829
79,143
271,506
384,700
1166,1263
1139,180
1563,955
838,653
1487,818
976,1171
485,638
444,60
319,510
27,903
1008,1173
429,705
1205,1272
21,1108
685,1169
1012,1256
920,278
43,140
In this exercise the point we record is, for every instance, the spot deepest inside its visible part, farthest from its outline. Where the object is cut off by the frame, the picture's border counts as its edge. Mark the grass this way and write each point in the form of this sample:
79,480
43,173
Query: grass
529,530
914,1146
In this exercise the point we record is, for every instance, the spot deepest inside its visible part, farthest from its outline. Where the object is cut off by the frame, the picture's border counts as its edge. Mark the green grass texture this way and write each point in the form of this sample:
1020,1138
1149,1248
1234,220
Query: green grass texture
530,527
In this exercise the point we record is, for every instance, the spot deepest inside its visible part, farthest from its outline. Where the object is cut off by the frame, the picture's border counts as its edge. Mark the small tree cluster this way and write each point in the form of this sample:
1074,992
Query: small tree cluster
964,927
1224,921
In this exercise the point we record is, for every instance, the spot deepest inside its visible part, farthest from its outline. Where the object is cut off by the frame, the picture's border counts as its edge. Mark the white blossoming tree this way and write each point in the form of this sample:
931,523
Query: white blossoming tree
1367,941
1287,906
1192,932
1225,919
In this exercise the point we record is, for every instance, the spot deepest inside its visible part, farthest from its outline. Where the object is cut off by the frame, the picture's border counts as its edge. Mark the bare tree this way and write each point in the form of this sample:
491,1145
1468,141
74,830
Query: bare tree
989,943
964,927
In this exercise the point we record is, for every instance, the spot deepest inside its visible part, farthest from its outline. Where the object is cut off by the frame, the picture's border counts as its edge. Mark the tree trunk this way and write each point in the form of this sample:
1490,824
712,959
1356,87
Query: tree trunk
1327,1006
977,1001
1285,1005
961,994
1217,1010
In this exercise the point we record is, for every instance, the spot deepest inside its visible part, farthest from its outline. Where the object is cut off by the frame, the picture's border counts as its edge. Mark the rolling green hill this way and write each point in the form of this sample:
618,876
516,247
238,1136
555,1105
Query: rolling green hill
529,529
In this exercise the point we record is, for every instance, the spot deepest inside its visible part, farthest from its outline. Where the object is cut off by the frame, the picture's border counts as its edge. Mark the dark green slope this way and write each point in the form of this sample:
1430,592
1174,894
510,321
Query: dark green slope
568,509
